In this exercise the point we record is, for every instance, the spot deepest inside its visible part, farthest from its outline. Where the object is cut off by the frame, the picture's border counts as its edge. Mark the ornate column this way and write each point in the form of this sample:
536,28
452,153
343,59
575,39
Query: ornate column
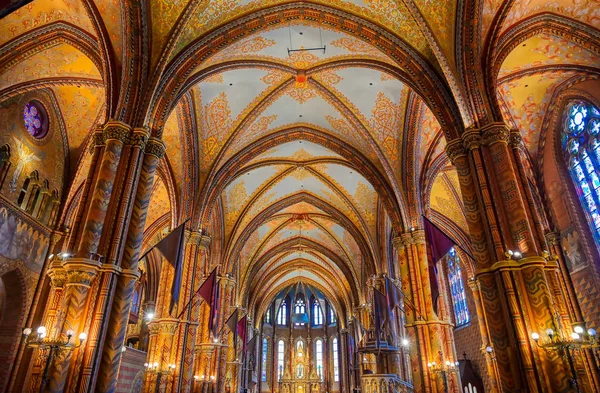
129,273
423,326
516,295
80,273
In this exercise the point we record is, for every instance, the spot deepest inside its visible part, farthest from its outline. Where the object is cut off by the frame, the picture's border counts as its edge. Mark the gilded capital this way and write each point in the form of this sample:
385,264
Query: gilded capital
139,137
495,132
155,147
515,140
81,271
455,149
116,130
472,139
398,243
58,276
553,238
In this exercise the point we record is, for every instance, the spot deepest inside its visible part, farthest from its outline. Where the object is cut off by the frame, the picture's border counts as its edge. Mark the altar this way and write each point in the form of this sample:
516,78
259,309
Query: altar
300,376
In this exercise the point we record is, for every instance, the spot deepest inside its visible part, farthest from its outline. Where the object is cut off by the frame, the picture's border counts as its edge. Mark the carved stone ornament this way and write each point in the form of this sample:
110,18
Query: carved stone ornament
472,139
58,277
168,327
515,140
81,271
139,137
116,130
553,238
155,147
398,243
496,132
455,149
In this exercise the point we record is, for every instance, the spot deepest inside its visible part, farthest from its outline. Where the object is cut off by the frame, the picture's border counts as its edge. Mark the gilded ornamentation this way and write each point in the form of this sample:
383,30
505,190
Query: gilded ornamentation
495,133
455,149
301,92
156,147
472,139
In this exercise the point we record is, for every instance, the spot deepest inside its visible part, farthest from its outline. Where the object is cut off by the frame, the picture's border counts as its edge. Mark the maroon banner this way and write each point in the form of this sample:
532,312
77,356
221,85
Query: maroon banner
394,295
242,331
438,245
171,247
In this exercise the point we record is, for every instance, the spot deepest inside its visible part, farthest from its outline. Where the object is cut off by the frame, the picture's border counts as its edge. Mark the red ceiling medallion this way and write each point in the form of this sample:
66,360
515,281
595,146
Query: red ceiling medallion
301,79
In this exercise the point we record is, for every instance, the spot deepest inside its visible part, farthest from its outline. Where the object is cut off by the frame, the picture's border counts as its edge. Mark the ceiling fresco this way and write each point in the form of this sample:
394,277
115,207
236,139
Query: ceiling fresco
58,61
389,13
42,12
446,198
527,99
546,50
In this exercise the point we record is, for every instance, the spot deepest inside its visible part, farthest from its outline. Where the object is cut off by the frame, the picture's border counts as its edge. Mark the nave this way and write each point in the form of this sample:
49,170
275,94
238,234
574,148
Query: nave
319,196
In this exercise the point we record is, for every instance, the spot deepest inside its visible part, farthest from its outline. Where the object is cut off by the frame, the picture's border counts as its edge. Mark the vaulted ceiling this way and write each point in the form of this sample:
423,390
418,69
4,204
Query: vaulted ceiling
302,162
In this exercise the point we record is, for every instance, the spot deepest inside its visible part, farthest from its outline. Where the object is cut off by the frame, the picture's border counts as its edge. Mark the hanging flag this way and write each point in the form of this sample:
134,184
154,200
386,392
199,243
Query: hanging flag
394,295
213,321
381,312
171,247
242,331
359,331
232,325
438,245
207,289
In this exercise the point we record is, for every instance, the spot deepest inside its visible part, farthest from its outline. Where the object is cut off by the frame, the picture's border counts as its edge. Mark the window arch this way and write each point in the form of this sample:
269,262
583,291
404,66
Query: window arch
332,318
300,308
317,314
457,289
336,360
319,357
265,354
581,145
280,357
282,314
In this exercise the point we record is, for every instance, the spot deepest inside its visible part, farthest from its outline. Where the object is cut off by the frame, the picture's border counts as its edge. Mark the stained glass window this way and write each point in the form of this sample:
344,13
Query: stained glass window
336,363
457,289
280,357
300,308
282,315
317,314
581,143
34,118
332,319
319,357
268,315
265,353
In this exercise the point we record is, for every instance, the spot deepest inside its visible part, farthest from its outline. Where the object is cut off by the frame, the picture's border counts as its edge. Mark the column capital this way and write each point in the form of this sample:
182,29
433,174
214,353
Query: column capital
515,140
495,132
471,139
553,238
139,137
455,149
57,274
398,243
155,147
116,130
81,271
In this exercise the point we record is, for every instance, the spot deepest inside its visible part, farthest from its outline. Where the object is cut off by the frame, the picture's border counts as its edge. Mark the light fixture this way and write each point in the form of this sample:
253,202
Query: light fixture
489,349
517,254
575,336
150,316
550,332
83,336
578,329
405,342
535,336
591,332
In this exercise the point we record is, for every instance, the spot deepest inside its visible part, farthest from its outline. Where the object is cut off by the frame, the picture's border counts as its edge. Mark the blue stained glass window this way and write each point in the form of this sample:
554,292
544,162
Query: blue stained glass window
582,152
34,118
336,360
282,314
265,353
319,357
457,289
317,314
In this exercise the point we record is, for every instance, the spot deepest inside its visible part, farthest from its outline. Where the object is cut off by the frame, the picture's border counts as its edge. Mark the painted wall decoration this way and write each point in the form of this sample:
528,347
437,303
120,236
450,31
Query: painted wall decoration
20,240
573,251
28,153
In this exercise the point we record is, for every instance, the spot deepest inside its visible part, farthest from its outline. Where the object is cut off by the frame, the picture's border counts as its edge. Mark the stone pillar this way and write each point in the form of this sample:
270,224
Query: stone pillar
80,273
516,296
119,310
428,336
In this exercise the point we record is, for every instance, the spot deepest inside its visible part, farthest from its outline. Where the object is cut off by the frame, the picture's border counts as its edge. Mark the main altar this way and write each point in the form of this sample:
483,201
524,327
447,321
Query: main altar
300,375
